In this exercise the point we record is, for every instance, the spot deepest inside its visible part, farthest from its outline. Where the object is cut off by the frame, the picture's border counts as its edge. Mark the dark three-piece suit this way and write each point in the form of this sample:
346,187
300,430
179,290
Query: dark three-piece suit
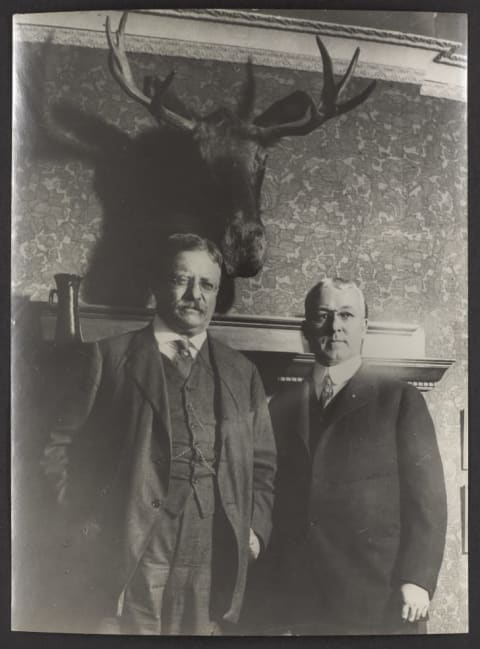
360,505
111,456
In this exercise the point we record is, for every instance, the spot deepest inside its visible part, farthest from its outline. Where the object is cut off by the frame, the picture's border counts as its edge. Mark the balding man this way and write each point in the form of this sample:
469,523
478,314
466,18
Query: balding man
361,497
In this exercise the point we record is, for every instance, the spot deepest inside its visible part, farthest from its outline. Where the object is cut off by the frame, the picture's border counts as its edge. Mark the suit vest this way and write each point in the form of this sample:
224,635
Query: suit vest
193,429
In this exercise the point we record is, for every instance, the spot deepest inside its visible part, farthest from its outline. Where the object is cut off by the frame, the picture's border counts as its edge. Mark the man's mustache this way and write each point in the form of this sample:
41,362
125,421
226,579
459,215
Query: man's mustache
191,305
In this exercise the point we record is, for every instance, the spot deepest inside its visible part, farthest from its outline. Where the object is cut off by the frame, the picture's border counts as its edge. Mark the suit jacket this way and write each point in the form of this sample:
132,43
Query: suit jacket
102,443
365,510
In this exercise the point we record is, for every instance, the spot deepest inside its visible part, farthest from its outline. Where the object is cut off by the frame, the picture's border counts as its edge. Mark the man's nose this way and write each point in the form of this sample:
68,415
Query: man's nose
193,290
334,322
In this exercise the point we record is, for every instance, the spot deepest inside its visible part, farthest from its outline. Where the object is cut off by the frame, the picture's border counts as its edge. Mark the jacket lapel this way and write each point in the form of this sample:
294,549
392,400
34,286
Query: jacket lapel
358,391
227,379
304,414
144,366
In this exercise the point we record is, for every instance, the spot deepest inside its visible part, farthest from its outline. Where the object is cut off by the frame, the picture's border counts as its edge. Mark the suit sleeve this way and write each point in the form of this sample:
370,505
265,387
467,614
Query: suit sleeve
422,493
73,413
264,462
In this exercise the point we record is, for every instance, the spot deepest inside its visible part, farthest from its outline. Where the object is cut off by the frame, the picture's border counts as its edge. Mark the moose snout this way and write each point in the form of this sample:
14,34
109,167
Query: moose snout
243,247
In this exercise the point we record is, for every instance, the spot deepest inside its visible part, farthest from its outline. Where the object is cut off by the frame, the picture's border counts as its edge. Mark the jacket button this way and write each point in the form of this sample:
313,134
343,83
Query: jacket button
156,503
312,523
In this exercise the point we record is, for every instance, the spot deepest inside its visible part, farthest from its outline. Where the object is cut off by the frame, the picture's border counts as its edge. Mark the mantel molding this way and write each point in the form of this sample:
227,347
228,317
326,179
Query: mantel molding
423,373
356,32
396,349
252,19
274,41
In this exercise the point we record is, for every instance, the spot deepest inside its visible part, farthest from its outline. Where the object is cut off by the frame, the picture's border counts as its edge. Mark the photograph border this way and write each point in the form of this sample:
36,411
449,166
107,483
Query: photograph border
27,640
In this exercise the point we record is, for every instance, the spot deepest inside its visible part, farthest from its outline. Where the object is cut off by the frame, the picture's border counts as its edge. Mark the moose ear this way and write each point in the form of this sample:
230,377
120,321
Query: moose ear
294,110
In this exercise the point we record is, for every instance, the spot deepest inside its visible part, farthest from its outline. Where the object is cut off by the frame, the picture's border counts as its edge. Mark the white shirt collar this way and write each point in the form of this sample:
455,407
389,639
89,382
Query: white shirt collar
339,374
164,335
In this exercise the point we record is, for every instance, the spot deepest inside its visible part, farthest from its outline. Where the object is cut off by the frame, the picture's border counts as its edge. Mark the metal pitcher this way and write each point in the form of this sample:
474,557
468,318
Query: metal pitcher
65,296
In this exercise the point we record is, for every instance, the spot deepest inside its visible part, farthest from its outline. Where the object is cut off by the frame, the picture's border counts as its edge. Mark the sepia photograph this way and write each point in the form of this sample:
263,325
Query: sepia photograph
239,302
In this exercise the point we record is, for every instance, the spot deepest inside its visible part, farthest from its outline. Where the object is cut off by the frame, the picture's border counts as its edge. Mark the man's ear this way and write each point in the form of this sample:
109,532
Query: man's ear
305,328
157,298
365,327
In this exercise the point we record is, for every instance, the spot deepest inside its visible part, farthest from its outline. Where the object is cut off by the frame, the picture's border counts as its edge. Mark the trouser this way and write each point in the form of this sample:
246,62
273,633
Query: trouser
170,590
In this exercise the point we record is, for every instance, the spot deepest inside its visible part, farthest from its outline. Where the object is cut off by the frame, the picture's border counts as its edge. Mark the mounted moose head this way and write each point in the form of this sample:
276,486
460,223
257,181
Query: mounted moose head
233,144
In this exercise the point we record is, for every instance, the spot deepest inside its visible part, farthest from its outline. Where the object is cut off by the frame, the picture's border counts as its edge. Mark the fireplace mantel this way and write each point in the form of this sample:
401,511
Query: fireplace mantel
275,344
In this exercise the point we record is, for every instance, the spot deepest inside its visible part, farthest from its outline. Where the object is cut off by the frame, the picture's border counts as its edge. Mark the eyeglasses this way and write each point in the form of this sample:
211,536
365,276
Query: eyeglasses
185,281
321,318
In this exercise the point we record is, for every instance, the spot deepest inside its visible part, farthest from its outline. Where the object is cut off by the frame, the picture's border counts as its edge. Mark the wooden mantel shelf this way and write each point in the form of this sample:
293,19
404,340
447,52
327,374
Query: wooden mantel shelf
276,344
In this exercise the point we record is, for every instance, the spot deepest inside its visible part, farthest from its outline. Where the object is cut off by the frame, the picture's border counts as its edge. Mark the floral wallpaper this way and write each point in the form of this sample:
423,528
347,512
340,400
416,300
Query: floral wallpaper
377,195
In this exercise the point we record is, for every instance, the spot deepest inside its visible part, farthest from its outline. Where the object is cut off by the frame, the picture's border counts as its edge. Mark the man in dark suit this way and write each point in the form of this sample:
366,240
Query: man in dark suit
361,517
163,462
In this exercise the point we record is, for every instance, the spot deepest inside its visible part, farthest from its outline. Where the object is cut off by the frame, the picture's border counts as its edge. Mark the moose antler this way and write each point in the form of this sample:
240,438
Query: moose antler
247,98
331,92
119,64
307,116
296,114
123,74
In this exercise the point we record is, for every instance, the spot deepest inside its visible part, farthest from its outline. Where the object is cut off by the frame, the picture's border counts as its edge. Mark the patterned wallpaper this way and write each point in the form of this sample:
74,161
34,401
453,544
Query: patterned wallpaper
378,195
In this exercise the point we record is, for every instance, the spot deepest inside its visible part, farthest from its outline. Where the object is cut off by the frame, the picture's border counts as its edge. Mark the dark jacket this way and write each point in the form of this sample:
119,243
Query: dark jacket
365,510
97,455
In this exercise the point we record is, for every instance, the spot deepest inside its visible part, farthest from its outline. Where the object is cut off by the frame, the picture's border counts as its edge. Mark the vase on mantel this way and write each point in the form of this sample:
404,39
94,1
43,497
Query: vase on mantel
65,296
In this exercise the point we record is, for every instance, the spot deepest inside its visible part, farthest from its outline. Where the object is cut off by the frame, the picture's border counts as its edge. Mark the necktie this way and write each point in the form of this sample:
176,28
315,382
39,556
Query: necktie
183,359
327,390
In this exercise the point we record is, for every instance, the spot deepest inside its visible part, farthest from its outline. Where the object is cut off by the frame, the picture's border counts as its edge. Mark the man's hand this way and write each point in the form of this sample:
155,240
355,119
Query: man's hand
57,480
254,546
415,602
